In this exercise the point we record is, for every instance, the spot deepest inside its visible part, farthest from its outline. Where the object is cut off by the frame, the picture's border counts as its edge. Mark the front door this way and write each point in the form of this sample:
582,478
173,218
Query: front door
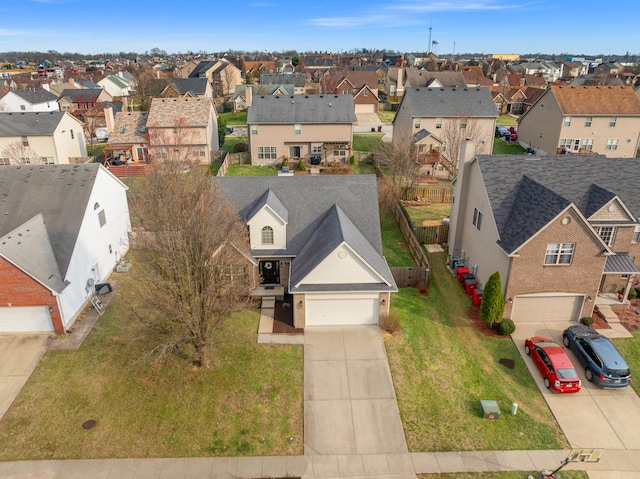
270,272
295,152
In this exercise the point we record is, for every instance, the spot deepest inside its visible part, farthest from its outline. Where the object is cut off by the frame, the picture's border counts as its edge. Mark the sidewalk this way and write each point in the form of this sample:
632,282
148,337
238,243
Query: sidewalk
621,464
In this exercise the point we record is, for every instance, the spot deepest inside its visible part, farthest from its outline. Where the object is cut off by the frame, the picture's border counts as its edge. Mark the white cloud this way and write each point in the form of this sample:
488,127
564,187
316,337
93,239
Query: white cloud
479,5
363,21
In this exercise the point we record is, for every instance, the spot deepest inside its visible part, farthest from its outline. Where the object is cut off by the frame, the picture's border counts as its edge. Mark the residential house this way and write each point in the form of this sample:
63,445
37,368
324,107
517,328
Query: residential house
128,137
259,67
509,99
587,120
299,80
561,242
315,241
79,101
29,99
362,84
118,85
184,69
308,127
63,229
398,79
448,115
222,75
187,87
243,95
54,137
181,128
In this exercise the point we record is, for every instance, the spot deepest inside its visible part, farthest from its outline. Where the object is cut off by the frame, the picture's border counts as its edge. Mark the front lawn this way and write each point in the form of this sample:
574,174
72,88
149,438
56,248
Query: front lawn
442,367
250,170
386,116
366,141
247,402
501,147
507,120
234,119
630,350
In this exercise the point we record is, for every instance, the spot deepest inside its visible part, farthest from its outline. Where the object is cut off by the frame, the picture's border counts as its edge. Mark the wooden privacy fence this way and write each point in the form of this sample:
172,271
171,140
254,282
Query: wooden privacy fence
414,246
410,277
438,234
429,194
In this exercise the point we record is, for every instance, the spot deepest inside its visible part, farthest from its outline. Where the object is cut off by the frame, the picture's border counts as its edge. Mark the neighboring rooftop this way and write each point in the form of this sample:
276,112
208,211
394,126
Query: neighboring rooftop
26,123
302,109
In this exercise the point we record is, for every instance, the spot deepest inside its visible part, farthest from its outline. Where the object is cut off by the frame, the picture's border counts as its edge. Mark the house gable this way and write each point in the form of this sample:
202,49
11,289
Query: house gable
261,222
613,210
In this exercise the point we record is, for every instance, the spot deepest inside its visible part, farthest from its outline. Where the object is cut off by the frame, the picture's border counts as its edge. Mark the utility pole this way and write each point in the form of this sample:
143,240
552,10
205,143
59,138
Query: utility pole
430,36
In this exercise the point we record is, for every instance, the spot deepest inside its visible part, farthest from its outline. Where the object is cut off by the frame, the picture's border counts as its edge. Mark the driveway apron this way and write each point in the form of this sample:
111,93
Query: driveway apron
349,399
593,417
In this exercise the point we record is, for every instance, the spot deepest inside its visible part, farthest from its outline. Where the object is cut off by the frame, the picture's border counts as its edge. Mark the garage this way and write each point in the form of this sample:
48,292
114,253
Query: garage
365,108
334,310
545,307
25,319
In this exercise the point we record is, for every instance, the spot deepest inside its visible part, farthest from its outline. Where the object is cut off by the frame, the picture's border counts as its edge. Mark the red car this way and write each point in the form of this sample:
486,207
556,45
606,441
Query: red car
553,363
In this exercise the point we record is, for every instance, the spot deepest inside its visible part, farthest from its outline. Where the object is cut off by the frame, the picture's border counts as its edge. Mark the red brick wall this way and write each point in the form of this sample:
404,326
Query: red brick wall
20,289
529,274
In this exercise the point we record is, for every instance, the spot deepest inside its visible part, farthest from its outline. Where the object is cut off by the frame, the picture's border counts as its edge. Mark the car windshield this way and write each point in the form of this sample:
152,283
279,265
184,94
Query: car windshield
567,373
547,344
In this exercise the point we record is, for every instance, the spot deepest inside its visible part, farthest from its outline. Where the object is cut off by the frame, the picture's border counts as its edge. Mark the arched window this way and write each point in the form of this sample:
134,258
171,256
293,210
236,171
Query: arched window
267,235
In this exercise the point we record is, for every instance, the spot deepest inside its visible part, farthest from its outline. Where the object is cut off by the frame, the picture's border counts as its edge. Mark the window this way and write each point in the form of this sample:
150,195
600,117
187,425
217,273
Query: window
71,131
254,129
438,122
607,233
47,160
559,253
416,122
316,150
25,141
202,151
565,143
587,144
339,152
25,160
4,162
636,235
612,121
576,144
267,152
463,124
612,144
267,235
567,120
102,218
588,121
23,108
477,218
297,128
366,93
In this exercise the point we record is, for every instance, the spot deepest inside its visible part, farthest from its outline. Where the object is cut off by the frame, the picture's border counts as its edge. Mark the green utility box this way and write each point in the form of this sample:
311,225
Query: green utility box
489,410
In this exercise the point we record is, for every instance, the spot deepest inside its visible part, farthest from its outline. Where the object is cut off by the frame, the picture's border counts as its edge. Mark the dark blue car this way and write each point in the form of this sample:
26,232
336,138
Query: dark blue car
602,362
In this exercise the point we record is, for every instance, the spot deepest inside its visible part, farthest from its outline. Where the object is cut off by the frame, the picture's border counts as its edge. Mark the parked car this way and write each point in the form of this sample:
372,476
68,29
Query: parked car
552,361
229,129
502,132
602,362
513,133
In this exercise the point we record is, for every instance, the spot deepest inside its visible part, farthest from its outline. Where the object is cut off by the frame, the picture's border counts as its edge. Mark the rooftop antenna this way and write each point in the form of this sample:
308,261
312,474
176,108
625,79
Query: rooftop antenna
430,35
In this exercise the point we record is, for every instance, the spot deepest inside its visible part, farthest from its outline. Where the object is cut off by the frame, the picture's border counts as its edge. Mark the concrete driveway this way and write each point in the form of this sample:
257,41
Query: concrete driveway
594,417
349,400
19,355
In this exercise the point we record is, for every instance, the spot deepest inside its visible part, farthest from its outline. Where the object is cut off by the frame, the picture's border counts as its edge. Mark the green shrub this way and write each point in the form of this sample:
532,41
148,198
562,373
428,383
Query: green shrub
390,322
352,160
587,320
492,305
284,163
301,165
507,327
633,293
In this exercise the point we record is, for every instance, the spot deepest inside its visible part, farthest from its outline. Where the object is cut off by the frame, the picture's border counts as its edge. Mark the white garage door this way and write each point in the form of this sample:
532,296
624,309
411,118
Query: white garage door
369,108
327,310
547,308
25,319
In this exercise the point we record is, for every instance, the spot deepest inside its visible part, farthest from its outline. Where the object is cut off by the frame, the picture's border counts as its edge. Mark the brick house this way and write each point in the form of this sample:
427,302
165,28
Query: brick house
562,243
62,230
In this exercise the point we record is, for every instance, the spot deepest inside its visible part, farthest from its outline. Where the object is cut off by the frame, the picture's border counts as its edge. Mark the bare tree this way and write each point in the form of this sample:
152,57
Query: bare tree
457,129
194,270
400,161
175,141
20,154
388,193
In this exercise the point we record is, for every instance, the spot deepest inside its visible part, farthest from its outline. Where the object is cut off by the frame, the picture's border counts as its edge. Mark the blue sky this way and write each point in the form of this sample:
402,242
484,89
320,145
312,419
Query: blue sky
481,26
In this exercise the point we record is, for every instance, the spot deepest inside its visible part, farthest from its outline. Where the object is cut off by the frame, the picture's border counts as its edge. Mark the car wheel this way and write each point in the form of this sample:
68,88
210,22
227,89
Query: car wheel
547,384
527,350
588,373
565,340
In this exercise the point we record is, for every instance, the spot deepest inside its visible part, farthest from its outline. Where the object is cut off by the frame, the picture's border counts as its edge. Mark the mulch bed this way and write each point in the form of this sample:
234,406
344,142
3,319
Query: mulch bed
629,318
481,325
283,317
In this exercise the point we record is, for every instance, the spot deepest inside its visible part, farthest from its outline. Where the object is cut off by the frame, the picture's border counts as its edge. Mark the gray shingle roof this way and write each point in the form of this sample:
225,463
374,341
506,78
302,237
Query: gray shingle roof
297,79
536,189
449,102
36,95
421,135
201,69
302,109
76,95
270,199
28,246
186,85
308,201
29,123
59,192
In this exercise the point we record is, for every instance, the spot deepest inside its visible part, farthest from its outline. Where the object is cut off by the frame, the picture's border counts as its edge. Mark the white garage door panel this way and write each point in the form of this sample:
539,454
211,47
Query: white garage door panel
330,312
367,108
23,319
547,308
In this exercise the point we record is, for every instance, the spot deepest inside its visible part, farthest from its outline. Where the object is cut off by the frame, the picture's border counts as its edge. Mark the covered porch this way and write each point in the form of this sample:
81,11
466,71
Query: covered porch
619,276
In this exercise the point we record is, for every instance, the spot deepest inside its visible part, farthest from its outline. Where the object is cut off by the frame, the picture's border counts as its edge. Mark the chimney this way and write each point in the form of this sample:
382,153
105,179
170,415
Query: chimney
108,118
400,87
248,93
460,196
